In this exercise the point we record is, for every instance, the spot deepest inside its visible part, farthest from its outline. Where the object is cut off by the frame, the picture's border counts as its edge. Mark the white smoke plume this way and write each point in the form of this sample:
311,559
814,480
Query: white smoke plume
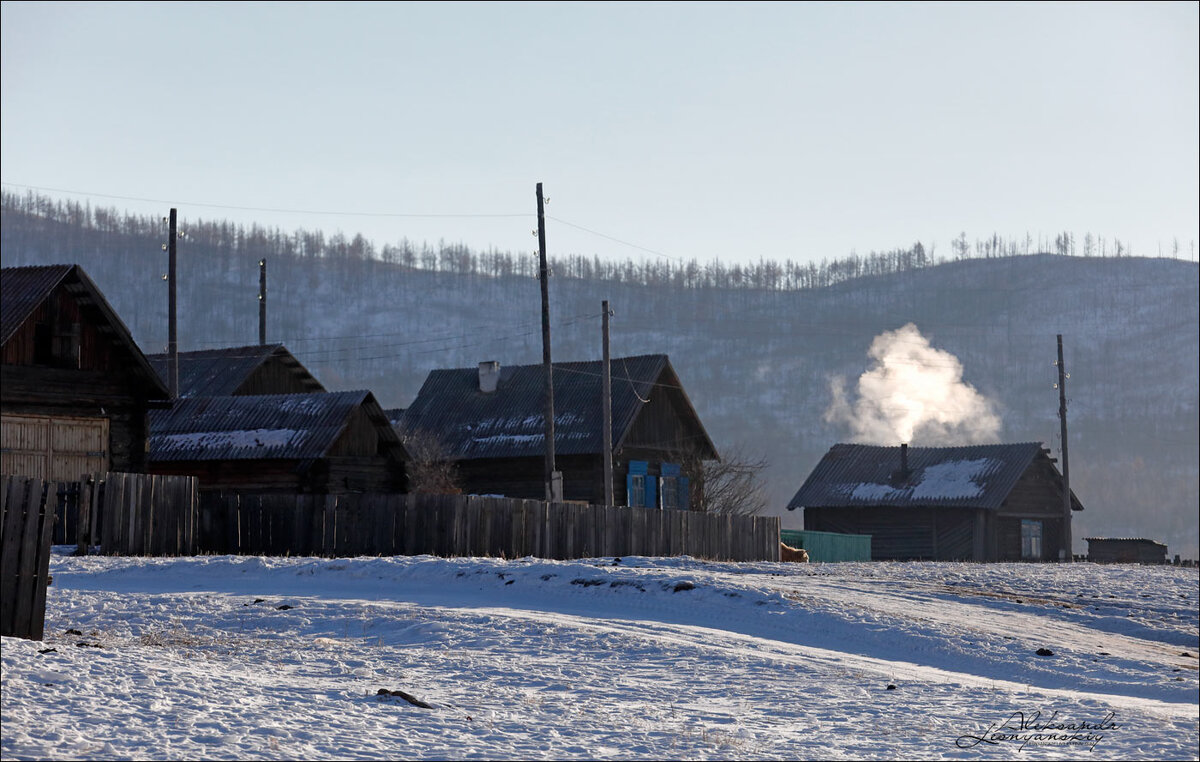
913,393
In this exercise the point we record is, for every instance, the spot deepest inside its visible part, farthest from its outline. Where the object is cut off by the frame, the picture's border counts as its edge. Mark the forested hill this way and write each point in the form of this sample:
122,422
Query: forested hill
756,347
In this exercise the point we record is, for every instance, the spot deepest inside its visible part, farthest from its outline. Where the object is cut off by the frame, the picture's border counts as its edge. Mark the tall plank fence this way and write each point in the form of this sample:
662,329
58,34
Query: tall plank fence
26,523
458,525
127,514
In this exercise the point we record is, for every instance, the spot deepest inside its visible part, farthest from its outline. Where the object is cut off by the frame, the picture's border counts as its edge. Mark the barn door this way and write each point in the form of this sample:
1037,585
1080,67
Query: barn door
54,448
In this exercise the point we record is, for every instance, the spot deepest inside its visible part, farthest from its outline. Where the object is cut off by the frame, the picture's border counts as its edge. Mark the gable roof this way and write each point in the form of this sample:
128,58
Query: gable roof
260,427
24,289
509,422
976,476
219,372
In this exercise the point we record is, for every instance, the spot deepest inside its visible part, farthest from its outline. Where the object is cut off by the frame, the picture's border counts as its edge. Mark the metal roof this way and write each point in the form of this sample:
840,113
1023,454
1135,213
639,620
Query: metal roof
260,427
509,422
24,289
975,476
219,372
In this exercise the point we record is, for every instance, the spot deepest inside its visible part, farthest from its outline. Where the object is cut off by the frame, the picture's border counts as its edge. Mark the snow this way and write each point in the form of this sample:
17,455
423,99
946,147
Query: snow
223,440
871,492
953,479
223,657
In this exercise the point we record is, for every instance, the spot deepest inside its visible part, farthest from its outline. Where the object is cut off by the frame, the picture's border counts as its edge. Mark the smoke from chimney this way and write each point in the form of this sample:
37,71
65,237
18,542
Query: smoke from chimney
913,392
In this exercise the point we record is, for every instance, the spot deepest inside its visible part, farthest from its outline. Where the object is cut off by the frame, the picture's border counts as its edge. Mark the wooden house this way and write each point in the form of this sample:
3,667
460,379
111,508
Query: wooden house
323,443
236,371
490,422
1125,550
1000,502
74,386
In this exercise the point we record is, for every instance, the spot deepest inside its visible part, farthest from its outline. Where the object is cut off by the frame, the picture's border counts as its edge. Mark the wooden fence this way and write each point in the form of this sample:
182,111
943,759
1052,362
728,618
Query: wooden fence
128,514
457,525
26,523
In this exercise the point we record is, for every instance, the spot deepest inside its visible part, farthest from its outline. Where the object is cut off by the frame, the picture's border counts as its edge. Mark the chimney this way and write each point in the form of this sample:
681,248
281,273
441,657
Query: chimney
489,376
904,461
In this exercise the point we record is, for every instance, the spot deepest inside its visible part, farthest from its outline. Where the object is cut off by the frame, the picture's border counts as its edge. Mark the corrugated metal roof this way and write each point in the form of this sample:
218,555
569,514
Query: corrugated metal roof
976,476
219,372
1123,539
509,422
23,289
259,427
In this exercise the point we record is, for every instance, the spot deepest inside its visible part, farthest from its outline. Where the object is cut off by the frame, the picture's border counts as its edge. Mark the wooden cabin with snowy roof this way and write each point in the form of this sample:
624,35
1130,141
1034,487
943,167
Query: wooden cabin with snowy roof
321,443
1001,502
74,386
490,422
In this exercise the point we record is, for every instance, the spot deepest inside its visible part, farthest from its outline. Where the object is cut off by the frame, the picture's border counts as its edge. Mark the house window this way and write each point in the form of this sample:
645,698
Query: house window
639,485
637,492
1031,539
669,493
674,492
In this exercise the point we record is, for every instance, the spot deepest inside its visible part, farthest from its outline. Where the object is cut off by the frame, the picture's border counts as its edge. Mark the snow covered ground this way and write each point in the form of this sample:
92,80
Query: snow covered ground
638,658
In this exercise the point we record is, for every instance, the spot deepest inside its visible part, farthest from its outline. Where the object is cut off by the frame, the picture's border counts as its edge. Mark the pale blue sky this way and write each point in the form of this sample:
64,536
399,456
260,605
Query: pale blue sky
781,130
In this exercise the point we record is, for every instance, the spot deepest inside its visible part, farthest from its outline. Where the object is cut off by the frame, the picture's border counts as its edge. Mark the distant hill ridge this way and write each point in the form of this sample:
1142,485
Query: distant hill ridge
756,360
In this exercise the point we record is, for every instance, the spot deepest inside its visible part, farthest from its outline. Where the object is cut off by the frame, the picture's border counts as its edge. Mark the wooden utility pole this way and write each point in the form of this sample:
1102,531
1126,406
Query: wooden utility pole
544,276
1066,467
262,302
172,334
606,405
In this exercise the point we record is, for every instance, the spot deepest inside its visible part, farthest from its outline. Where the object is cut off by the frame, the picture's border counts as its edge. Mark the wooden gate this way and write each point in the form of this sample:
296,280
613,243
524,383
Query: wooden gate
54,448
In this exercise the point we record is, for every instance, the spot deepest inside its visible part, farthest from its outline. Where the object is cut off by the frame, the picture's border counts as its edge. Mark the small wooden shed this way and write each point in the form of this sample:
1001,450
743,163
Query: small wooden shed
237,371
74,386
1000,502
324,443
490,421
1125,550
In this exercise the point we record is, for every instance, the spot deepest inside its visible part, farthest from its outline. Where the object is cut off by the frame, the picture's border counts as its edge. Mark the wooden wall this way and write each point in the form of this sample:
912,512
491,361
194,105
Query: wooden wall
274,377
903,533
319,476
91,380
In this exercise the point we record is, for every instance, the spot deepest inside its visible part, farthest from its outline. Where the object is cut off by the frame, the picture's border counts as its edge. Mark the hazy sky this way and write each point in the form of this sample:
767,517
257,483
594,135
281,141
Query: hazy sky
731,130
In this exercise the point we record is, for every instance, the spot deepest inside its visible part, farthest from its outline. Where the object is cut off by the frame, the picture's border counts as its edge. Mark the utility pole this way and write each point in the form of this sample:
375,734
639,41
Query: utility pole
606,393
172,336
262,302
1066,468
552,477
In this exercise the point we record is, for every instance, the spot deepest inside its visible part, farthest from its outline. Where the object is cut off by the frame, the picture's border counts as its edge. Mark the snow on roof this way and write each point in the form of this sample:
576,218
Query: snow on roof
978,476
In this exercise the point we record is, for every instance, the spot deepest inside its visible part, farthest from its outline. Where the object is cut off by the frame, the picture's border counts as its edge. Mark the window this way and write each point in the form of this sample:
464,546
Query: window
669,493
1031,539
635,484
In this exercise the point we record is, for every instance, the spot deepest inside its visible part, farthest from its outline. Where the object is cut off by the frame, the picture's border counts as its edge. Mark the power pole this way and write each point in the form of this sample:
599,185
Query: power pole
172,337
606,393
1066,468
551,493
262,302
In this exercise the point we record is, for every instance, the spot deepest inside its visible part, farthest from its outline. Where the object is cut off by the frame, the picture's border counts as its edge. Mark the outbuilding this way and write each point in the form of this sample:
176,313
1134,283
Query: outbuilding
1125,550
999,502
323,443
